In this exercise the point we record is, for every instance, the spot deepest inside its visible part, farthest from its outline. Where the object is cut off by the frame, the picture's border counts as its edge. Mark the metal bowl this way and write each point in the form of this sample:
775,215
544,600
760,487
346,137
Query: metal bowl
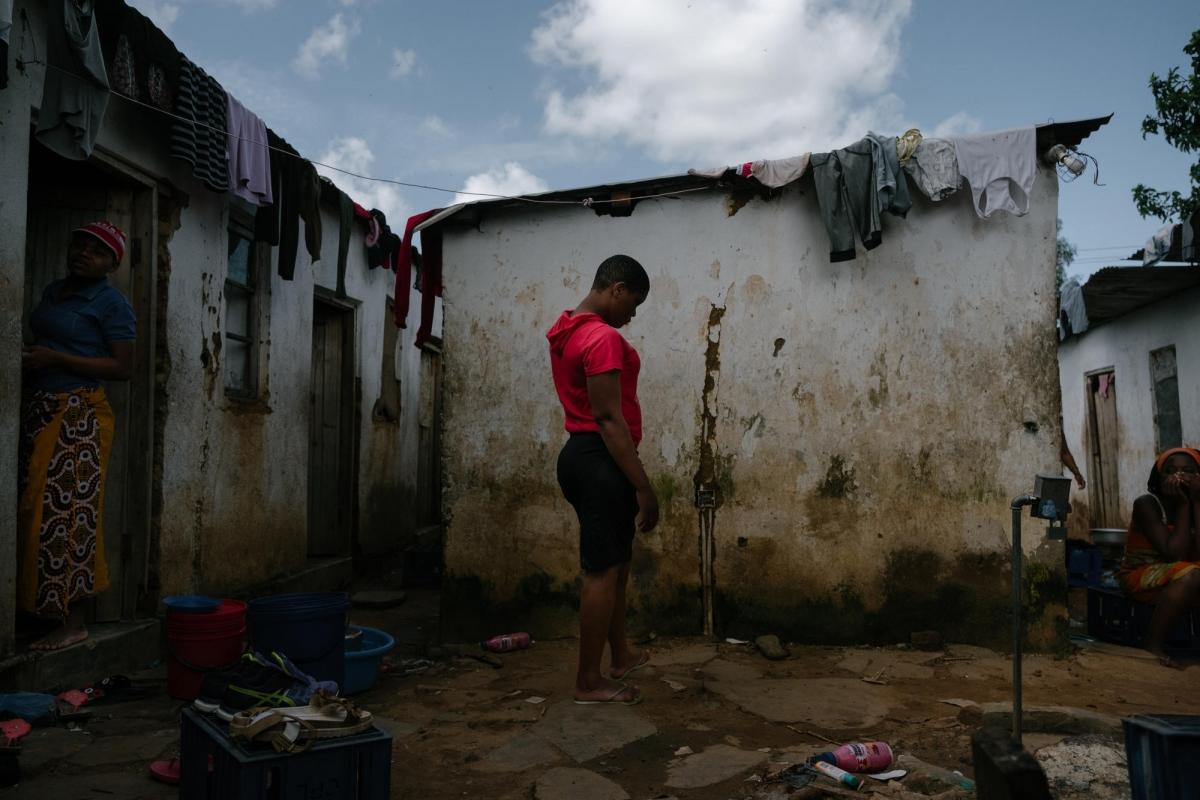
1108,536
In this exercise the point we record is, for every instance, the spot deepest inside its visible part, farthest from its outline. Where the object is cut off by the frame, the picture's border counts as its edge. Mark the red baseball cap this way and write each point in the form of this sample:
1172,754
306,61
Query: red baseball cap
108,233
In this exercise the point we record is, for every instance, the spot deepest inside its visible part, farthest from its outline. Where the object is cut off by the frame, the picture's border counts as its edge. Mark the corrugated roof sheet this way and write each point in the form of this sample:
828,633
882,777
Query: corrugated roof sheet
1115,291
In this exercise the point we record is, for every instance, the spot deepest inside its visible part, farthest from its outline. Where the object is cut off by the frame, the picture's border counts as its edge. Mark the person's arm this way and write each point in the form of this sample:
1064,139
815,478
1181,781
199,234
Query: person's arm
604,394
1174,546
1191,487
118,366
1068,460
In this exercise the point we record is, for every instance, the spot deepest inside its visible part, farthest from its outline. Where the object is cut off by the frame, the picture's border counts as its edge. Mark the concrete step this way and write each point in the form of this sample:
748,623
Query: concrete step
111,648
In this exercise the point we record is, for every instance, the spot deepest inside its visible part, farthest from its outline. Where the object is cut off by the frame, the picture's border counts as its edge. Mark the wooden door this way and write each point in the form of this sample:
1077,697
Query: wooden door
1102,434
429,482
63,196
329,502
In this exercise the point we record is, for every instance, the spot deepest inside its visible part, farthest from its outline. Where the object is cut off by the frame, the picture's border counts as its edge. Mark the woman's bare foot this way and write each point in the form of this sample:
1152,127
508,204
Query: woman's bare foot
1164,658
634,659
608,692
61,637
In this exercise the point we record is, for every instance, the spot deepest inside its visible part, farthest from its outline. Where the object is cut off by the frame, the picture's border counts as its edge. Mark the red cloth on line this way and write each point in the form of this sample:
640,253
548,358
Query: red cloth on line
431,278
403,267
361,212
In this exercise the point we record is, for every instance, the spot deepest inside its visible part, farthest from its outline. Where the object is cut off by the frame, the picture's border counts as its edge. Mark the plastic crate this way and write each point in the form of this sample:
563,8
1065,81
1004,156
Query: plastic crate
1163,752
353,768
1114,617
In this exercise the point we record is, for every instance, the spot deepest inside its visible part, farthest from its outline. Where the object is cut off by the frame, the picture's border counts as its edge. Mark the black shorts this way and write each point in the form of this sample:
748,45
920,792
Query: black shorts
604,500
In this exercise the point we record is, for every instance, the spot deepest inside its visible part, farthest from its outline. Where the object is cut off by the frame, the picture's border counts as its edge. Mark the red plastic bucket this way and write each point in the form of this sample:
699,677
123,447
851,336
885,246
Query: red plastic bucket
198,643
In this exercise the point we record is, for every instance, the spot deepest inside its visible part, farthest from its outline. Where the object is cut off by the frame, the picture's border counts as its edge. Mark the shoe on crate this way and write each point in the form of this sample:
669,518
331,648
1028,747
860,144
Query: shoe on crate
285,663
212,688
261,684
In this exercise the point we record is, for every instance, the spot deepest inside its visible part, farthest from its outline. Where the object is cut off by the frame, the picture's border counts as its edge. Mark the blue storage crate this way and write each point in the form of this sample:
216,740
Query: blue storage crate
1163,752
214,767
1115,617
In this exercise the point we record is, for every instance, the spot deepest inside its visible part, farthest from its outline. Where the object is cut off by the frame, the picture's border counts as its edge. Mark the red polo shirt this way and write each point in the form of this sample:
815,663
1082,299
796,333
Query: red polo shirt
581,345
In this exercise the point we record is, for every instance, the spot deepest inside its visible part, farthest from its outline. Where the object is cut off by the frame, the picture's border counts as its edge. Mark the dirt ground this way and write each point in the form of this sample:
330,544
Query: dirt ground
717,720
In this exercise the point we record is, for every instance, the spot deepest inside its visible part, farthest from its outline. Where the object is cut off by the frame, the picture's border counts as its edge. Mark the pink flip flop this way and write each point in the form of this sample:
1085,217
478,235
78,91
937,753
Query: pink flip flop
166,771
13,729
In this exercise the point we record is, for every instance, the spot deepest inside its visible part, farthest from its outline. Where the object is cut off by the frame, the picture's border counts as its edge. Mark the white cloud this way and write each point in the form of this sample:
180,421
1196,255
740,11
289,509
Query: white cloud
956,124
436,126
161,12
251,5
328,42
723,80
354,154
511,180
403,62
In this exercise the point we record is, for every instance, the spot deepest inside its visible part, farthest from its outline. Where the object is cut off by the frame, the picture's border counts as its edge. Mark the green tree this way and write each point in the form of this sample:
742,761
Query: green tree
1064,254
1177,101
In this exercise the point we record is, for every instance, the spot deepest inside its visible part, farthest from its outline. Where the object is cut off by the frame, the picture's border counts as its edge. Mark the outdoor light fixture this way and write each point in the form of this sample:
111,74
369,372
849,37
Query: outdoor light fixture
1059,154
1049,501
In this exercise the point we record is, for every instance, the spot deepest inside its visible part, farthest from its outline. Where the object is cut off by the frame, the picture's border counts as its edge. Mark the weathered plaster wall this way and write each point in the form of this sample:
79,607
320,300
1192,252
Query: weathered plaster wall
868,421
234,476
15,102
1124,345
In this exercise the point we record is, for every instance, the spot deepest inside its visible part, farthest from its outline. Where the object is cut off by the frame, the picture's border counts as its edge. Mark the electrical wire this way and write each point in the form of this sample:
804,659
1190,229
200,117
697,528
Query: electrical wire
586,202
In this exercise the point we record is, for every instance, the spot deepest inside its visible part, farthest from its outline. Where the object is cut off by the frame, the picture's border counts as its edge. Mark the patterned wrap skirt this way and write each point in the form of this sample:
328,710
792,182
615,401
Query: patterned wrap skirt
65,443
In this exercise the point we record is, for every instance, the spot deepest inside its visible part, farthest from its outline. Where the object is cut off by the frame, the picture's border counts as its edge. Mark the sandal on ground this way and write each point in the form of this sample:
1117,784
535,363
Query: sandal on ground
611,699
12,730
166,771
643,661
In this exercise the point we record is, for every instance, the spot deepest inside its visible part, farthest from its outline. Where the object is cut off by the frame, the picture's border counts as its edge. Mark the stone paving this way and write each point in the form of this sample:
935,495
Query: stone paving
718,721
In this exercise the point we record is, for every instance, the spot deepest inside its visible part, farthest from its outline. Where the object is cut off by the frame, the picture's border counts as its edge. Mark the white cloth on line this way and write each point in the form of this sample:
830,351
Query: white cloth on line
1000,167
774,173
1071,310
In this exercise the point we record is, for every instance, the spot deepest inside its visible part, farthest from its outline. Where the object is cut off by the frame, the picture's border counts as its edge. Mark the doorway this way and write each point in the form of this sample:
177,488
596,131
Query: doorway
63,195
331,429
1104,492
429,465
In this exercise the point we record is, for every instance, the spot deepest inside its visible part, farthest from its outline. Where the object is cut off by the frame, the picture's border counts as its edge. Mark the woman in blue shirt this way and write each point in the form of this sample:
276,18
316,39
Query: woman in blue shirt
84,332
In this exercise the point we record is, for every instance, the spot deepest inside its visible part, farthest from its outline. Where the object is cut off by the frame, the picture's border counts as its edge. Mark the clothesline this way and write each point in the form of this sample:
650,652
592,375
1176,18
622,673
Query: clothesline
586,202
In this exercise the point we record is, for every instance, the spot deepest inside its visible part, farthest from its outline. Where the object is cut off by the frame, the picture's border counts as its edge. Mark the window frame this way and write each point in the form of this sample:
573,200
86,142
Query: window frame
250,289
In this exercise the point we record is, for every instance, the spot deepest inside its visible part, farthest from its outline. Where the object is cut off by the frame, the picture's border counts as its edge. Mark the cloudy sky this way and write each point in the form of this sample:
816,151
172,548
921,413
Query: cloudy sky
519,96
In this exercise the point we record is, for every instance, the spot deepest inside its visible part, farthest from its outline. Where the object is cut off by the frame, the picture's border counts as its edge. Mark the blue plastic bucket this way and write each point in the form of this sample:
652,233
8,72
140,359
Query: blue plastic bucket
309,628
362,666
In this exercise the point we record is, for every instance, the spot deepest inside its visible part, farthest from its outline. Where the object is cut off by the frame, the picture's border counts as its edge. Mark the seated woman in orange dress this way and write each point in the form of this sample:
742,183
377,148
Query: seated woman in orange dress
1162,550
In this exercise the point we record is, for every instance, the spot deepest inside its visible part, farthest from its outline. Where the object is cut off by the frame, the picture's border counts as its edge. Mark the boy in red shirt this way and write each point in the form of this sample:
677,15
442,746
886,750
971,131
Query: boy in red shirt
595,375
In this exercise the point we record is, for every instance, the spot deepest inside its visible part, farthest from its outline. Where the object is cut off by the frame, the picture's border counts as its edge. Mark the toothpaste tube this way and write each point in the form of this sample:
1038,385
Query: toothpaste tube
838,774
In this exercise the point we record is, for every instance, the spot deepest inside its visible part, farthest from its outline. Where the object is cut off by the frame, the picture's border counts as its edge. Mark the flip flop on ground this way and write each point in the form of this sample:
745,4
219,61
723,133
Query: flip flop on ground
634,697
641,662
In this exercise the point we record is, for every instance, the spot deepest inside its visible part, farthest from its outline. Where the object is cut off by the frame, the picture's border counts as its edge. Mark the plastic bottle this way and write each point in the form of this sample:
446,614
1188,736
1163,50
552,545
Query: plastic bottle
837,774
869,757
507,642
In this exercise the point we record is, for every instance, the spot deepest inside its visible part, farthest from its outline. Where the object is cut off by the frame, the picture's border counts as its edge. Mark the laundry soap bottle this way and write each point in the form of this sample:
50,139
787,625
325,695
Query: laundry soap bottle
869,757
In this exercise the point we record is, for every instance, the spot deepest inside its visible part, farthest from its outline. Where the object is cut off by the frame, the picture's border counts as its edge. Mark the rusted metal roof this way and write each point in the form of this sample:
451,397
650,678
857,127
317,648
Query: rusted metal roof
1069,134
1115,291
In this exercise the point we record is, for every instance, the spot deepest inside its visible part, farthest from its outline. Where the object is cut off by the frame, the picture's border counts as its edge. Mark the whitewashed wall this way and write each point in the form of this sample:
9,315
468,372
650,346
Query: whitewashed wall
1125,345
872,418
234,481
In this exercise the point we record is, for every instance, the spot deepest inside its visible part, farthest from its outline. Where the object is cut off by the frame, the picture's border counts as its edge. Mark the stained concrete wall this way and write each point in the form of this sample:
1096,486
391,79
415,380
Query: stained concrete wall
1124,345
867,422
234,477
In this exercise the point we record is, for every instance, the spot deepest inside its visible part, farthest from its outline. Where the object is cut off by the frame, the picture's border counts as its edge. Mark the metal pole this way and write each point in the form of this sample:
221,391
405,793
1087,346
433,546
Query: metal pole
1017,505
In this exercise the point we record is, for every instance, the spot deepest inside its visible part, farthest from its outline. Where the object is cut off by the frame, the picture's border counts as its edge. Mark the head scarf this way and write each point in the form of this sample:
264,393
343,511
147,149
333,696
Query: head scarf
1155,481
